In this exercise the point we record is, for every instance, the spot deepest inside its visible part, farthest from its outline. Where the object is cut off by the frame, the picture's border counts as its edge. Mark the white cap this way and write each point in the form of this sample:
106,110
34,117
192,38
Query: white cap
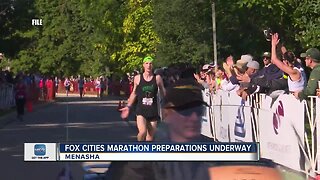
246,58
254,65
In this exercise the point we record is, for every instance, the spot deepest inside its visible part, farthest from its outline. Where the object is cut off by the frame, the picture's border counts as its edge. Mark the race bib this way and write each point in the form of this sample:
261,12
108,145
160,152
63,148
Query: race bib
147,101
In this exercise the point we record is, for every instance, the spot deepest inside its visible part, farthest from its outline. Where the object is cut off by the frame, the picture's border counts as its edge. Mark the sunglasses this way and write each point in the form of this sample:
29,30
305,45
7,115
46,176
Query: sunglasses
188,111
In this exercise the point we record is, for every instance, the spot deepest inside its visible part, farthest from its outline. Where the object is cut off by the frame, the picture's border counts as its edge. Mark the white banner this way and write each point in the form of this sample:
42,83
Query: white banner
207,123
232,118
282,129
221,121
239,113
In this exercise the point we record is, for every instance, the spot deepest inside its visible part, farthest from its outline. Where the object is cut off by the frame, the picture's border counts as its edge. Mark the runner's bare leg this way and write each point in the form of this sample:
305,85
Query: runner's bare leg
142,128
151,129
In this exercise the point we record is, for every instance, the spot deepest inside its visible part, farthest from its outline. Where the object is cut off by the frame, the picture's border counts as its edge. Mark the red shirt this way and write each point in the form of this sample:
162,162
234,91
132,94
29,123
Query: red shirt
20,90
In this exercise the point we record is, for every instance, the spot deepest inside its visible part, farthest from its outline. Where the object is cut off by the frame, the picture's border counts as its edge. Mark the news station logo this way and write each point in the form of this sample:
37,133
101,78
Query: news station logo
40,149
36,22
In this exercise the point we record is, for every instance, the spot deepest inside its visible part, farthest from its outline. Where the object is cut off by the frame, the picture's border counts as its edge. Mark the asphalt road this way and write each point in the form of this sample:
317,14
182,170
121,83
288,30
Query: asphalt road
67,119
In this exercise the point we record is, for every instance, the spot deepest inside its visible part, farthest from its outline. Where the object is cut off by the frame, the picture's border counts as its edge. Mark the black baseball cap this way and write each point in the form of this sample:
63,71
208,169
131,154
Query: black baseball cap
183,93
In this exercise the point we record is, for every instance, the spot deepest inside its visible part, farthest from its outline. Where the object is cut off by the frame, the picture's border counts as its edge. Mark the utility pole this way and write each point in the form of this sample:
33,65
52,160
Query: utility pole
214,36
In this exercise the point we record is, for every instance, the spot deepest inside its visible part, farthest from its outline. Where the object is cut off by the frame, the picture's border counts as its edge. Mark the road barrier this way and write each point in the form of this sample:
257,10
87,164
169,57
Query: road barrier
6,96
285,127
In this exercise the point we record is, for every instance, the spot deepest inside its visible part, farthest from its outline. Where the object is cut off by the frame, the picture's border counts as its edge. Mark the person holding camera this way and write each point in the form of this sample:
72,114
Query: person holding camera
289,65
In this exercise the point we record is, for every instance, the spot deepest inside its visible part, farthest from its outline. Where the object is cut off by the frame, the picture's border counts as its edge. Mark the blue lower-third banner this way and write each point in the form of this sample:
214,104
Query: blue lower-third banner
148,151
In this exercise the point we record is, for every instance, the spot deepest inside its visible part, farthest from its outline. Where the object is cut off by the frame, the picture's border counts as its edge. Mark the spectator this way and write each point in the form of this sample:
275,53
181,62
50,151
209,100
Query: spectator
206,77
245,59
43,88
269,79
20,96
182,124
289,65
80,85
97,84
244,72
67,85
238,70
103,86
125,85
269,71
220,78
228,65
245,79
50,88
312,59
56,83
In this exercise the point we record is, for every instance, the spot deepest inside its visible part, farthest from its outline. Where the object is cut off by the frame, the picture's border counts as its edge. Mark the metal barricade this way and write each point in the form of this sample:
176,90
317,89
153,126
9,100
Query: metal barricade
6,96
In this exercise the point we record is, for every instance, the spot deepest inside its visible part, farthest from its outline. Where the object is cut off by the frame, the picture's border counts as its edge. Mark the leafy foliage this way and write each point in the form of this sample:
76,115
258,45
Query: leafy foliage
307,21
184,29
91,36
139,37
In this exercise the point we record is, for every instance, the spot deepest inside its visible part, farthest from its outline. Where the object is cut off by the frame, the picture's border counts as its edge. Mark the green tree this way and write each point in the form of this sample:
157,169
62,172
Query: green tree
184,30
307,22
106,37
240,25
17,34
90,36
139,38
61,44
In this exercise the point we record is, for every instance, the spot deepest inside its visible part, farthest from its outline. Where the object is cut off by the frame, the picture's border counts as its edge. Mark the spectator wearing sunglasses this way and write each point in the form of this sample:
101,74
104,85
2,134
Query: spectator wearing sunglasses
183,108
270,71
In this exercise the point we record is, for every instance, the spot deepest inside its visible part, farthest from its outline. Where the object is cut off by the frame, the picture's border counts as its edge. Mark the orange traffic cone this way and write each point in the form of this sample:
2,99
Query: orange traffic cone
29,106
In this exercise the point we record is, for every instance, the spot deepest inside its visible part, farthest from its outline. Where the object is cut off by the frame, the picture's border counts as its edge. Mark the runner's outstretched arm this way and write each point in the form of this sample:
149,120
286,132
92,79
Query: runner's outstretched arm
126,110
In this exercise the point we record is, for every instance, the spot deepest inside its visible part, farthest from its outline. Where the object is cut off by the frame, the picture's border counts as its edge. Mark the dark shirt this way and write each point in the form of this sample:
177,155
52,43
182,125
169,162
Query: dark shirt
160,170
233,79
271,72
267,80
147,105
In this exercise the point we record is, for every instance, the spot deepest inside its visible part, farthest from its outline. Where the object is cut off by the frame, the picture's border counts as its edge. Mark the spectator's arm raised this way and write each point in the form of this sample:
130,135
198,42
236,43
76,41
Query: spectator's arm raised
293,73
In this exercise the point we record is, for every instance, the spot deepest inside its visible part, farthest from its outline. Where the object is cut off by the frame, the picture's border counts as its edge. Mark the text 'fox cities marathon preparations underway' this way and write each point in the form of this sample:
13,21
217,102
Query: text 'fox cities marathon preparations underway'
205,147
